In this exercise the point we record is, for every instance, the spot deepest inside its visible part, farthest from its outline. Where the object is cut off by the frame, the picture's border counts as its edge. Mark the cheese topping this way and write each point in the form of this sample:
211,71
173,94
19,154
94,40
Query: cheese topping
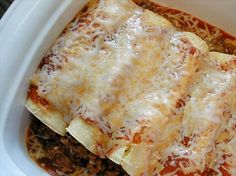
152,97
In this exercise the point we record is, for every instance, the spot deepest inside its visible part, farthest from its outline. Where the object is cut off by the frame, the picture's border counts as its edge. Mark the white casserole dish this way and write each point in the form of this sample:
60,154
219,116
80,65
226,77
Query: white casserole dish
26,32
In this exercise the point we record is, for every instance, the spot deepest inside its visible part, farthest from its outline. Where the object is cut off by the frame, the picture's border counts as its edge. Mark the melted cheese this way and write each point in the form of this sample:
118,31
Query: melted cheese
130,87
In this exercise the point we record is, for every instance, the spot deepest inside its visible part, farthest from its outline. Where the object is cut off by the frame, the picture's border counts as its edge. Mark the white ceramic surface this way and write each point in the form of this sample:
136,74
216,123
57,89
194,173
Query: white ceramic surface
26,31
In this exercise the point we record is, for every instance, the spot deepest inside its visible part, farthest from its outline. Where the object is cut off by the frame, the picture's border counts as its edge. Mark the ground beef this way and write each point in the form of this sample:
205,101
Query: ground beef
62,156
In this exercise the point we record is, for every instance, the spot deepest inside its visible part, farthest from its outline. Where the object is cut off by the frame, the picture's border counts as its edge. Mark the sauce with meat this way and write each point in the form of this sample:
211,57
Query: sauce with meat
60,155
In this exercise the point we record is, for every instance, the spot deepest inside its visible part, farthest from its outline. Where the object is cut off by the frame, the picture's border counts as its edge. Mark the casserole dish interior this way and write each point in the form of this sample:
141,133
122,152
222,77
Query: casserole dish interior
14,116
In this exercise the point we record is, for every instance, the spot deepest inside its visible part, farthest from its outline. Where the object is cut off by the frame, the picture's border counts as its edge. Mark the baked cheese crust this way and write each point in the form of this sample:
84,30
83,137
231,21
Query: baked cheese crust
129,86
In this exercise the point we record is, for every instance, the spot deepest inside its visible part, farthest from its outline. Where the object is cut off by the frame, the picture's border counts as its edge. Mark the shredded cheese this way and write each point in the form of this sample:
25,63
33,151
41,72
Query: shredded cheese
144,87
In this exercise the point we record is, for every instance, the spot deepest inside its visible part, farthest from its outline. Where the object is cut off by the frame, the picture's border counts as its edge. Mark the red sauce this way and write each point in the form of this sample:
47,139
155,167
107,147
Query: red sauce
172,164
167,10
201,24
223,42
64,155
35,97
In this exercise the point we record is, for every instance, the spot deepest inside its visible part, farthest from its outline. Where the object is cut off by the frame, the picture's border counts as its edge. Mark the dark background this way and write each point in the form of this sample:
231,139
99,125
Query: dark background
4,4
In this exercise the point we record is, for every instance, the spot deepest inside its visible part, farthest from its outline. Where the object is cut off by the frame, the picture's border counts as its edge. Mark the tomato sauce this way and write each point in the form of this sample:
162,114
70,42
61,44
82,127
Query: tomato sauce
35,97
54,146
217,39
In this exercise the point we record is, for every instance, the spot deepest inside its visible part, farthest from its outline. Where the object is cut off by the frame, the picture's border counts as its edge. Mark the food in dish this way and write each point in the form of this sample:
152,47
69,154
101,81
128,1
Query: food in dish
64,155
130,87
